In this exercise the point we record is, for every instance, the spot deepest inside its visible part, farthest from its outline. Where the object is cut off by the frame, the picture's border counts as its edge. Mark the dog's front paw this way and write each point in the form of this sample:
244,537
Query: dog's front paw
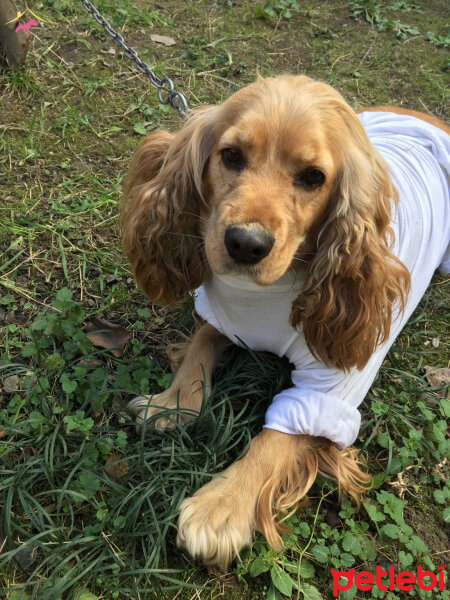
162,411
216,523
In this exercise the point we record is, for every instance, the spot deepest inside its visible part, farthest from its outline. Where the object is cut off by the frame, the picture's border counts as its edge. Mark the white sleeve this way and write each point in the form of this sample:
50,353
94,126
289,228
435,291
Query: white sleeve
298,411
324,400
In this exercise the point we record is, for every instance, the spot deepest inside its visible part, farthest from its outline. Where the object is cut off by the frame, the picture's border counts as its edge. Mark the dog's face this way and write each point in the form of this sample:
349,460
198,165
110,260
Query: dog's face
280,176
268,182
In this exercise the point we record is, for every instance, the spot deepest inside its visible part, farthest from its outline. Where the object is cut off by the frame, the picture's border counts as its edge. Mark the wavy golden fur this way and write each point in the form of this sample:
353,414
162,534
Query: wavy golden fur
160,213
247,163
354,281
286,489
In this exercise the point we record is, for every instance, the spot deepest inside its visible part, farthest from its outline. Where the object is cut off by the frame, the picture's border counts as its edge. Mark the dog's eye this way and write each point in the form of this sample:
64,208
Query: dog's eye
310,178
233,158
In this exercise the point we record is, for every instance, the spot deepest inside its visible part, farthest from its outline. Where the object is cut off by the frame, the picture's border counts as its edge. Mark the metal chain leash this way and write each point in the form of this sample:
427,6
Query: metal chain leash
165,89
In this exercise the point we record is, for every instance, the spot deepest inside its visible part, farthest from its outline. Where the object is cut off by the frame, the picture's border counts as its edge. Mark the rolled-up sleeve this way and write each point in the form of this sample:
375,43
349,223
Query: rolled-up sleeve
297,411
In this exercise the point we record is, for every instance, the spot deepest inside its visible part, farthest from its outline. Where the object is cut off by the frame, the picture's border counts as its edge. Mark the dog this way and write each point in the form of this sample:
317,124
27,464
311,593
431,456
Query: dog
306,230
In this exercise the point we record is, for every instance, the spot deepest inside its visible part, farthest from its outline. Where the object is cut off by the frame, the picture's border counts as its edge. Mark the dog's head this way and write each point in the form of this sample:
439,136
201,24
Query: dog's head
280,176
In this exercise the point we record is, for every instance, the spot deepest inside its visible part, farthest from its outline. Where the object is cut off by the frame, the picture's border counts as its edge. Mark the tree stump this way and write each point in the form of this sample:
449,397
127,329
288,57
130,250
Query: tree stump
13,45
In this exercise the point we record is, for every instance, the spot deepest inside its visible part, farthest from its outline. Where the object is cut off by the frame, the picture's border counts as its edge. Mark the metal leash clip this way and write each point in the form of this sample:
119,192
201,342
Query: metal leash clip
165,88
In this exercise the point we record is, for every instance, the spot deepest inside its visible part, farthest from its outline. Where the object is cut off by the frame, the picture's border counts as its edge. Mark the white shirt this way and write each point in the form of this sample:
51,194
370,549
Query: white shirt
323,400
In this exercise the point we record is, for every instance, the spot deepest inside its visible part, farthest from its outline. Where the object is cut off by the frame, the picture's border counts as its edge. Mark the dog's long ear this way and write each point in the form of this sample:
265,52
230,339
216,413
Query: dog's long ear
354,281
160,212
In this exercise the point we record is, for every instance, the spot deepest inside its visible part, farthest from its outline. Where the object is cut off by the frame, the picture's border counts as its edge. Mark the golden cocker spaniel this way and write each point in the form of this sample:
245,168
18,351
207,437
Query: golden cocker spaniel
280,183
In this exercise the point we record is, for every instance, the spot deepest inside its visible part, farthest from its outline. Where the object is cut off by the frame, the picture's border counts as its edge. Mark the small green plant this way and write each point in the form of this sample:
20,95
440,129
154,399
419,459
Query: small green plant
277,8
402,30
441,40
371,10
72,120
287,571
23,82
149,116
91,87
312,550
65,372
404,5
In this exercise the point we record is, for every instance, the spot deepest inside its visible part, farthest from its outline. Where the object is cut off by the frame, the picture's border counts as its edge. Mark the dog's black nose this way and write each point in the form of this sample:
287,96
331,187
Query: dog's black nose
248,246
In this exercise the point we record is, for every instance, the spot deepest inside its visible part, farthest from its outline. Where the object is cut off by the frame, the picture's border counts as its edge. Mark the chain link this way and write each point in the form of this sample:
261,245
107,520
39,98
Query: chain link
165,90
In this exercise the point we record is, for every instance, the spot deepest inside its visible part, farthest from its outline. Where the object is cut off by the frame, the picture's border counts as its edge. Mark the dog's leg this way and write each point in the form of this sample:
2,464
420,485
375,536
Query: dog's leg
273,477
188,385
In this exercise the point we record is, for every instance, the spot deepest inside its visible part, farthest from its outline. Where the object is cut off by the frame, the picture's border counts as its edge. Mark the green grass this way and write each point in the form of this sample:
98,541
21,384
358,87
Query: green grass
70,122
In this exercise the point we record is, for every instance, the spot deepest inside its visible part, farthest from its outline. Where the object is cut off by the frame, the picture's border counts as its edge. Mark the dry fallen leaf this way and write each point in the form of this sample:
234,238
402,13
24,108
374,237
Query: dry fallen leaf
400,486
332,519
438,377
441,469
110,279
162,39
107,335
25,557
115,466
96,416
11,384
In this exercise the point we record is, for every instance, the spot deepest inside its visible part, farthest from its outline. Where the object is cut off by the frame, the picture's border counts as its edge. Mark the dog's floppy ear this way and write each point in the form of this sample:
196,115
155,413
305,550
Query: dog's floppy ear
354,281
160,213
